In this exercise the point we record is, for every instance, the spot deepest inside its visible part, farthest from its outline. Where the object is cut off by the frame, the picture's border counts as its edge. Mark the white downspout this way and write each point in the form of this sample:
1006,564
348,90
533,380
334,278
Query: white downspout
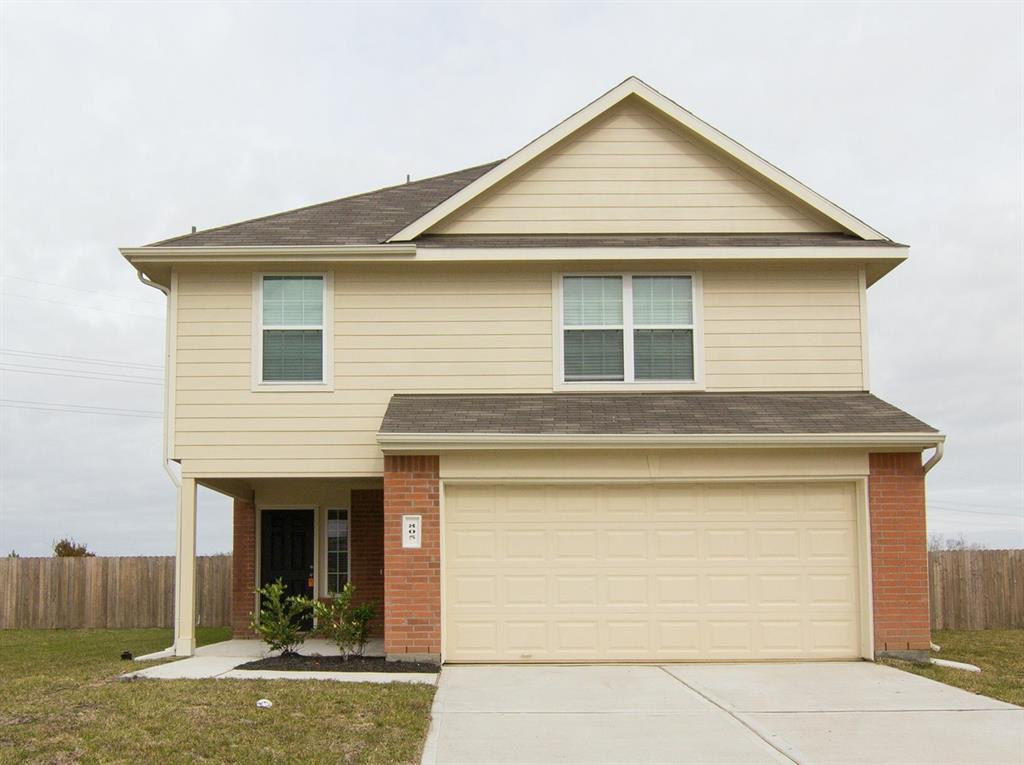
936,457
175,479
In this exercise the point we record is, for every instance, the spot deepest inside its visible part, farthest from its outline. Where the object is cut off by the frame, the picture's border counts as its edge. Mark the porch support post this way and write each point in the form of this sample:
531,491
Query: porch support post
185,571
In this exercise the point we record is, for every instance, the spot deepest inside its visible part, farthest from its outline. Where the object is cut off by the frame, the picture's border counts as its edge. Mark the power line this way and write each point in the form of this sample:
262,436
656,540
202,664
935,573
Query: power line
79,289
83,359
81,305
81,375
54,406
969,512
80,411
969,504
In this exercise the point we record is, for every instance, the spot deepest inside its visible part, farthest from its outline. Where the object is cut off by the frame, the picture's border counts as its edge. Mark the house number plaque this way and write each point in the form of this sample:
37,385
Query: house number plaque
411,536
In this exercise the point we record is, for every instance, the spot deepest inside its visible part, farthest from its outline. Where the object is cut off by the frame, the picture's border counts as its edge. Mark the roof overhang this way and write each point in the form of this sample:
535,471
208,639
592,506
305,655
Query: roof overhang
399,443
156,262
634,87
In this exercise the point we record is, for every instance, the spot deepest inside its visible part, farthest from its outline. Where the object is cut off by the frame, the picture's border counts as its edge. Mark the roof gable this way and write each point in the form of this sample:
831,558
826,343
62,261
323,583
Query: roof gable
634,142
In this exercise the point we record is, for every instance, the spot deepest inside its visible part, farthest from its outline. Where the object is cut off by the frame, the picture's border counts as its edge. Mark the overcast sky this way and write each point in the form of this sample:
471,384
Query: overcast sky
124,123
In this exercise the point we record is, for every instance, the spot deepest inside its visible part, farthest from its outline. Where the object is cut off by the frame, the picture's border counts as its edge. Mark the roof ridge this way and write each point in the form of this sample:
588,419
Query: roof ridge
313,206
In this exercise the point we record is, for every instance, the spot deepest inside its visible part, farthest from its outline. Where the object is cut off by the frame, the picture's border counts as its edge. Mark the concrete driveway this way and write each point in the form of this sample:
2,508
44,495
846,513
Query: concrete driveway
854,712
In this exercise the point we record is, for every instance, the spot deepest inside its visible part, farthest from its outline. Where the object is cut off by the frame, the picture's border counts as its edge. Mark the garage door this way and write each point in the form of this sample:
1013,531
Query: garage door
652,572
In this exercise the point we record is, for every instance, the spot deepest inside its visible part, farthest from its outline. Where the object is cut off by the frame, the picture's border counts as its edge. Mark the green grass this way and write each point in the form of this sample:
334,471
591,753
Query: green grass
61,701
999,653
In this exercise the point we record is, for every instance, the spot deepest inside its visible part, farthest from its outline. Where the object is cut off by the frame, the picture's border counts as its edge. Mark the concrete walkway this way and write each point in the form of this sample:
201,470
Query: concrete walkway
854,712
219,660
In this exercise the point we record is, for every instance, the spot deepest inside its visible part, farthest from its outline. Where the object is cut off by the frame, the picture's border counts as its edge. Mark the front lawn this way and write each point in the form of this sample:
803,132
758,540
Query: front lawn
61,701
999,653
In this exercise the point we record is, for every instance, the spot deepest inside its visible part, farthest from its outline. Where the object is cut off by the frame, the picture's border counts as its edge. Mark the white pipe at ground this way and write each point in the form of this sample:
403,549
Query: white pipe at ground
954,665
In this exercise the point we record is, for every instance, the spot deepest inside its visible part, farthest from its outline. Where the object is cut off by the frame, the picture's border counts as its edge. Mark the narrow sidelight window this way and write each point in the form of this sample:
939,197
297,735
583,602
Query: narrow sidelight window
292,333
628,328
337,551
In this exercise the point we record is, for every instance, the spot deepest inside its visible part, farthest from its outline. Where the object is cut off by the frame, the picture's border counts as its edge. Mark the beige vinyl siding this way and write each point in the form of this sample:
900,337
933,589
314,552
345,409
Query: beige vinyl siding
632,171
782,329
395,330
460,329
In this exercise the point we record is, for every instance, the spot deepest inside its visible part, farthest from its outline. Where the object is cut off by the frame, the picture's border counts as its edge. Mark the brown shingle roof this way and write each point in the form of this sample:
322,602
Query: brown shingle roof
647,413
368,218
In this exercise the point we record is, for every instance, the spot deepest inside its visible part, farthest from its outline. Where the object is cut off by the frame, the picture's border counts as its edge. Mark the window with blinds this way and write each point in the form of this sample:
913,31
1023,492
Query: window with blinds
593,335
292,330
628,328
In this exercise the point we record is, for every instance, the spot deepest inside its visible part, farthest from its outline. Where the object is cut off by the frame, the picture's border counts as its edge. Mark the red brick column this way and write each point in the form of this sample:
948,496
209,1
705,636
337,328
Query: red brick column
899,554
243,568
412,577
367,566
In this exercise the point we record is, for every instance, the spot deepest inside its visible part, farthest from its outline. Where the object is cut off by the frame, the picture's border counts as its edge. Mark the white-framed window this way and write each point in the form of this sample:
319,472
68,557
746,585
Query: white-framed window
338,550
637,330
291,331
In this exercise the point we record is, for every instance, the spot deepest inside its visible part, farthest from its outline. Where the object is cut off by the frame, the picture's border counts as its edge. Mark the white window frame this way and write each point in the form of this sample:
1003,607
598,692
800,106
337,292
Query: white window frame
326,383
627,327
325,590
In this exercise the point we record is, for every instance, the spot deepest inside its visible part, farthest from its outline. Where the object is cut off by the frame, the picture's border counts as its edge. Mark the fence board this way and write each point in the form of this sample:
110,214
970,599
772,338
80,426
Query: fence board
976,589
110,593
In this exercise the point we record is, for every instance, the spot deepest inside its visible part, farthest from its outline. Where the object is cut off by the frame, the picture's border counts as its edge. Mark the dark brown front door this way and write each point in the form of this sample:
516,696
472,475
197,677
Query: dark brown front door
286,550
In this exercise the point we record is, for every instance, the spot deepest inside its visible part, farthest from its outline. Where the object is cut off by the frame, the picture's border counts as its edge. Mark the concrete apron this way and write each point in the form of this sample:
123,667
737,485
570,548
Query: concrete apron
854,712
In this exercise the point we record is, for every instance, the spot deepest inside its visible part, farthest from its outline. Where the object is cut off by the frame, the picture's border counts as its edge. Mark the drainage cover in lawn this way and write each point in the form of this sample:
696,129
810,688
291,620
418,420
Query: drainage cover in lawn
299,663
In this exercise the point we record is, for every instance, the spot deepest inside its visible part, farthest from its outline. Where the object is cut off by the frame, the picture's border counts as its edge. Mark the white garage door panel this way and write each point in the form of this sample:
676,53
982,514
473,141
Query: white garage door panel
655,572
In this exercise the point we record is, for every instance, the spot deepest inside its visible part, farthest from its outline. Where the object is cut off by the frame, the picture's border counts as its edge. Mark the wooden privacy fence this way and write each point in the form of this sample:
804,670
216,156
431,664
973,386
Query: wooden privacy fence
113,593
976,589
970,590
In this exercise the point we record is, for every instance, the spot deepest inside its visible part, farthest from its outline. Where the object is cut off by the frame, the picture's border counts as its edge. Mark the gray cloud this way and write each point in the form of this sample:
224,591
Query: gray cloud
126,123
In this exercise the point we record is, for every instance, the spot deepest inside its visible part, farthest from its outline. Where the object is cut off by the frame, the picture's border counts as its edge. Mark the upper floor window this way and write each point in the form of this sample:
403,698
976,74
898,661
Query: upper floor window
633,329
291,329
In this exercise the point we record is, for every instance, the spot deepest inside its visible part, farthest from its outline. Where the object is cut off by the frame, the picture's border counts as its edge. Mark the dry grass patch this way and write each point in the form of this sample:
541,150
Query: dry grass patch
999,653
63,702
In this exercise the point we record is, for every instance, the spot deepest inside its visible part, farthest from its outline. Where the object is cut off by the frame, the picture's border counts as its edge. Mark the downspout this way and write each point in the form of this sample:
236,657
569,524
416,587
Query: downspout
167,372
936,457
934,460
168,652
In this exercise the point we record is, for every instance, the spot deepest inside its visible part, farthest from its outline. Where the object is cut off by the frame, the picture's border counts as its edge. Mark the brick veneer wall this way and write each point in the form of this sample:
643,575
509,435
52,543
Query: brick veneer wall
412,577
899,554
367,548
243,568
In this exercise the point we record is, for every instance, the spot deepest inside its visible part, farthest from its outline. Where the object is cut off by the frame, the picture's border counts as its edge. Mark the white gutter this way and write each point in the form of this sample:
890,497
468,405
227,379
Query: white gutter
409,250
438,441
167,373
261,254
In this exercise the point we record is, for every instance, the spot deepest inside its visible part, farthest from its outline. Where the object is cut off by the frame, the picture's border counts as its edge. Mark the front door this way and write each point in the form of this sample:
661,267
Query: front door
286,550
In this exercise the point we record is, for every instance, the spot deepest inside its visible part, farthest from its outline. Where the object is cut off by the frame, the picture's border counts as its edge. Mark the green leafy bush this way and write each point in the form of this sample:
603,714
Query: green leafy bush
280,618
342,623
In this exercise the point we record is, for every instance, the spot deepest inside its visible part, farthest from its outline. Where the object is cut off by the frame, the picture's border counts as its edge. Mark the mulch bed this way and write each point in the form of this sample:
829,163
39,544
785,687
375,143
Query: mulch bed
300,663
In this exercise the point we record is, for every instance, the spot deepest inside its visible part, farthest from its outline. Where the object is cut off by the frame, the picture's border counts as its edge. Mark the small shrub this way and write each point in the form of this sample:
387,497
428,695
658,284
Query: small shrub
69,548
342,623
280,618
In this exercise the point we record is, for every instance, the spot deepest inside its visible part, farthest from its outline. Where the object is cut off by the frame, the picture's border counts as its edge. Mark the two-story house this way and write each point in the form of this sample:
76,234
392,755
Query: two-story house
605,399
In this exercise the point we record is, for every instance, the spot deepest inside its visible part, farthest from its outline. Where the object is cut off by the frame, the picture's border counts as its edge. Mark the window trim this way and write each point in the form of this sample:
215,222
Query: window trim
326,384
558,325
325,590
